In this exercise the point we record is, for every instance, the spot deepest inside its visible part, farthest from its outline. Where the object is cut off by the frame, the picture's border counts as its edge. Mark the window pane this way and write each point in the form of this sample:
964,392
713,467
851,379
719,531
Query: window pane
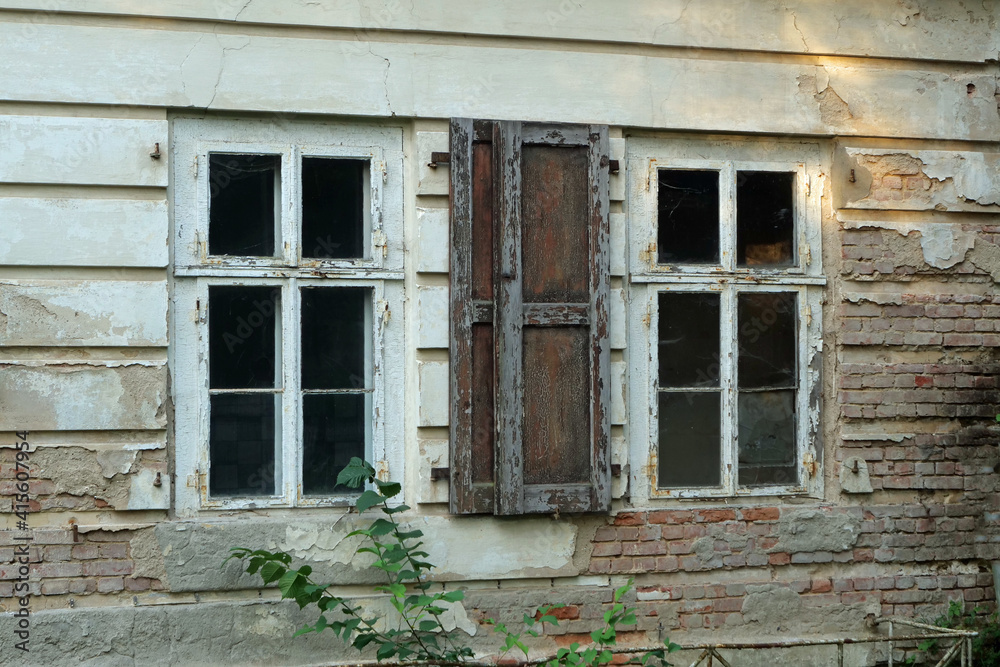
767,437
690,444
333,431
765,226
767,326
688,217
333,207
242,210
242,444
689,339
333,337
241,337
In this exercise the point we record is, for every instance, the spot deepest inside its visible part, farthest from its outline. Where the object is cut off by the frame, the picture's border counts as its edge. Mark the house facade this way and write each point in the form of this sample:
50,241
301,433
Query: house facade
700,294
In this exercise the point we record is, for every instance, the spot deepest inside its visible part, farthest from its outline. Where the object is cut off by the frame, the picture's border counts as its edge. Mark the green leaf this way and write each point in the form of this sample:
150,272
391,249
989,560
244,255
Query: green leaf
271,572
429,626
368,499
409,535
286,582
356,473
380,527
305,570
452,596
304,629
388,489
386,650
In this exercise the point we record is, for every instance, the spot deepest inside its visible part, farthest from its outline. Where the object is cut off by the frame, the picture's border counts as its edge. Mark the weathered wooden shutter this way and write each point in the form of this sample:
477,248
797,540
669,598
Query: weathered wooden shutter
529,293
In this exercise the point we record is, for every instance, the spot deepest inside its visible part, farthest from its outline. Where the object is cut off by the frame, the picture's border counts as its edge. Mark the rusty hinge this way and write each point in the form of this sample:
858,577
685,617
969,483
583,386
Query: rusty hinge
649,253
613,166
438,157
440,473
810,464
380,240
616,469
808,186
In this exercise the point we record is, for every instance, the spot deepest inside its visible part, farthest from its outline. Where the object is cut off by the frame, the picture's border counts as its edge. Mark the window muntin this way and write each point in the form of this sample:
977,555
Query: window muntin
729,407
767,215
300,424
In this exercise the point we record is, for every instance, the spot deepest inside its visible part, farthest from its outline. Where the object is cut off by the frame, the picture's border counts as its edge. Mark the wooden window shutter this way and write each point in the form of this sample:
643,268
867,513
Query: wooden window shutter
530,385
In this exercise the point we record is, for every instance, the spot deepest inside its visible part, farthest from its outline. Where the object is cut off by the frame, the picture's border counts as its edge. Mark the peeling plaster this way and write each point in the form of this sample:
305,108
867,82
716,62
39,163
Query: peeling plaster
320,544
943,244
955,180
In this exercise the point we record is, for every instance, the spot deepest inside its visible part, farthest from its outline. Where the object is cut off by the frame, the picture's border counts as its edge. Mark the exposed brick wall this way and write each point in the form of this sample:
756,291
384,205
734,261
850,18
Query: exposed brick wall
948,320
919,537
99,562
873,252
48,494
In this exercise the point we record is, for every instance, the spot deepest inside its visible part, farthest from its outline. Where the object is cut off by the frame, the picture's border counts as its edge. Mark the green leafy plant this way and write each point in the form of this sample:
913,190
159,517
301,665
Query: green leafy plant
985,646
417,632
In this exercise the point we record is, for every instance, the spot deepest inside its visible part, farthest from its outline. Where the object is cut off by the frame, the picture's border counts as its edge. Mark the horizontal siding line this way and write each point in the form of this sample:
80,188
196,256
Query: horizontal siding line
13,354
57,191
123,440
440,38
900,143
71,110
32,273
855,215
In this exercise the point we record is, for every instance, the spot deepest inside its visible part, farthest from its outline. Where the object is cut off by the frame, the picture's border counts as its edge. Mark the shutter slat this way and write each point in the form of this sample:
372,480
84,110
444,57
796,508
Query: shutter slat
600,291
509,490
460,341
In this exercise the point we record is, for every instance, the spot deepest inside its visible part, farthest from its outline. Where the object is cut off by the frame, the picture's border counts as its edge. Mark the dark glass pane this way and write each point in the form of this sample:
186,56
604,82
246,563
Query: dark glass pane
688,217
765,225
767,339
241,336
333,203
690,443
767,438
242,445
242,189
333,337
689,339
333,431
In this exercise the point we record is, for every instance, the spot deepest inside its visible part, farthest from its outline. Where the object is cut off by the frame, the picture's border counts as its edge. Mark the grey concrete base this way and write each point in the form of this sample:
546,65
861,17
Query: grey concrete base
226,633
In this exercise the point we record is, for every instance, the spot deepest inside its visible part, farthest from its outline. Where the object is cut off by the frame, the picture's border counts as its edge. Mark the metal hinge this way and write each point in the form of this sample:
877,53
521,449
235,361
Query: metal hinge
649,253
806,253
382,310
808,185
810,464
379,240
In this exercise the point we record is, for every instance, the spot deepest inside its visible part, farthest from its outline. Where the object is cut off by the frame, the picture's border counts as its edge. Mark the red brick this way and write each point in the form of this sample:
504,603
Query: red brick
630,519
821,586
761,514
779,559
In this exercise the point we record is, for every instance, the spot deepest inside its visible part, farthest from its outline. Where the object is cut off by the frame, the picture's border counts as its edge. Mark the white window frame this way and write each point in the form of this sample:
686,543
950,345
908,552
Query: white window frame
194,271
647,279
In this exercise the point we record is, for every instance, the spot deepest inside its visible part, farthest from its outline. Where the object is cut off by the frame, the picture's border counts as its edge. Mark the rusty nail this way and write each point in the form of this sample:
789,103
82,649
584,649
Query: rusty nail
157,481
852,179
156,152
76,532
856,467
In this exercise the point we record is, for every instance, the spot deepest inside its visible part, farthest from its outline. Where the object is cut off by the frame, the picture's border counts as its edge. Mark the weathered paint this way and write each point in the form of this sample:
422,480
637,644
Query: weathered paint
92,313
78,232
84,151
